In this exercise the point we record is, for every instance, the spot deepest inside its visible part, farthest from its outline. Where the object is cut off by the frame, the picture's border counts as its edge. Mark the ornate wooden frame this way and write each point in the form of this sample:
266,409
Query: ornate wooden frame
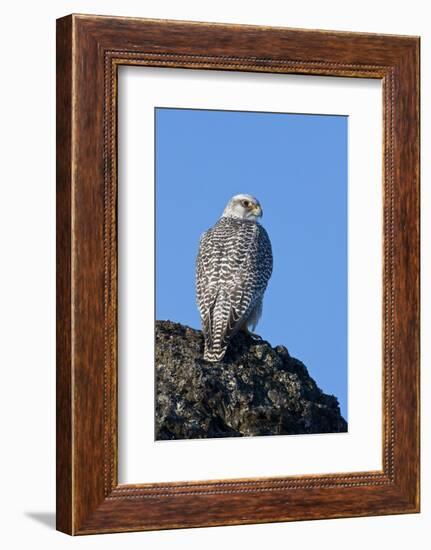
89,51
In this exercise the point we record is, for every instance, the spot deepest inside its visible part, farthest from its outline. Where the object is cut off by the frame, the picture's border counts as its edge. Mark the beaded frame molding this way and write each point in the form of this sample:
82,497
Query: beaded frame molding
89,51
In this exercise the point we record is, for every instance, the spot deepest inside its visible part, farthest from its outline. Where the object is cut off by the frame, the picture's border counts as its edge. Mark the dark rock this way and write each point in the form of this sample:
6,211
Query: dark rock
255,390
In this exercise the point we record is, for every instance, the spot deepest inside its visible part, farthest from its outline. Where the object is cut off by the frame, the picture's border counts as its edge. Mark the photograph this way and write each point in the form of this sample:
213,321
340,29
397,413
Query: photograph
251,237
237,272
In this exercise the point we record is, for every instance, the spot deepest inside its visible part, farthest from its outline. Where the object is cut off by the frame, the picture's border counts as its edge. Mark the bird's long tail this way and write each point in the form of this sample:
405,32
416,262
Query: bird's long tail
214,355
215,341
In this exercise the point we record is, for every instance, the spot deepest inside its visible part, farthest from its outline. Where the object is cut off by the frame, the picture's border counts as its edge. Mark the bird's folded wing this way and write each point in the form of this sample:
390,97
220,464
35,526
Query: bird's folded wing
226,304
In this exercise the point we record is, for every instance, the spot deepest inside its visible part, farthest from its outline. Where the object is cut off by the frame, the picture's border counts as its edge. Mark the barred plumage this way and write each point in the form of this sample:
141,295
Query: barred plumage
233,267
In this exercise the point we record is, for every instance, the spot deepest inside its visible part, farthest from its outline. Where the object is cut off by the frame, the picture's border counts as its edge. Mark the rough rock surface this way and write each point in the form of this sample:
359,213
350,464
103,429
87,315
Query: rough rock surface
255,390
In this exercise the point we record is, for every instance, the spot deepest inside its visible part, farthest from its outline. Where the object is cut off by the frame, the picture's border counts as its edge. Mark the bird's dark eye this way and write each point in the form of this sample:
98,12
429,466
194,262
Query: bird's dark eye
246,204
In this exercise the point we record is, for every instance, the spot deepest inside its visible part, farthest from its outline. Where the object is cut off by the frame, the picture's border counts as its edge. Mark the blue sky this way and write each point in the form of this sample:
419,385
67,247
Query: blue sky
296,165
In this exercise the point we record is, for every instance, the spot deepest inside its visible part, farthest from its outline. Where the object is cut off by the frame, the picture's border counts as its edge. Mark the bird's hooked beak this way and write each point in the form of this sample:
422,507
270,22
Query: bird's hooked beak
257,211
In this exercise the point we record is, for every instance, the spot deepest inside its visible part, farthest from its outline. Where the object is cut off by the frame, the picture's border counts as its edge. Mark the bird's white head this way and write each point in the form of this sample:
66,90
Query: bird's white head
243,207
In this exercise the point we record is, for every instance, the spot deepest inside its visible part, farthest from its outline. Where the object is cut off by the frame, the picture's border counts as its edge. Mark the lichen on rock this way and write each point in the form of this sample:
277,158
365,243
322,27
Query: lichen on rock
255,390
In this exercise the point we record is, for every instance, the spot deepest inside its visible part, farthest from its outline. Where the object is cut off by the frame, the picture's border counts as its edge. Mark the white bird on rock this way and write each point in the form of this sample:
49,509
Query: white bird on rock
233,267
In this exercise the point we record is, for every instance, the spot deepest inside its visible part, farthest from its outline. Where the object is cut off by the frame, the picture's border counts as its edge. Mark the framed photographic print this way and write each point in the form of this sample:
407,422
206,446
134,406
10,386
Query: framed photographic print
237,274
